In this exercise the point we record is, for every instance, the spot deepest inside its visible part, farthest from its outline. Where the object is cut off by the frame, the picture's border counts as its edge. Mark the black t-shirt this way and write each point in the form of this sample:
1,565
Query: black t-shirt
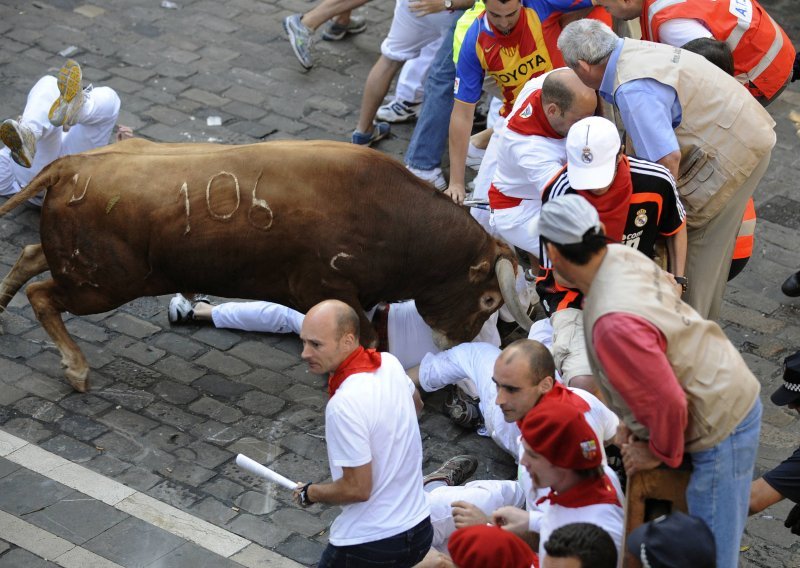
785,478
654,210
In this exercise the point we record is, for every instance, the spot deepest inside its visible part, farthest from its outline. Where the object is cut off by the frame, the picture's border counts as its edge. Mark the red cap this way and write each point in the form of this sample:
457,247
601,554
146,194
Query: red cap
559,431
484,545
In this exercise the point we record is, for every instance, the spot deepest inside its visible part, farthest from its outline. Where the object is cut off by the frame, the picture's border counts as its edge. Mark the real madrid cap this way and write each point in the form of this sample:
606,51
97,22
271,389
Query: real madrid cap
592,147
565,219
676,540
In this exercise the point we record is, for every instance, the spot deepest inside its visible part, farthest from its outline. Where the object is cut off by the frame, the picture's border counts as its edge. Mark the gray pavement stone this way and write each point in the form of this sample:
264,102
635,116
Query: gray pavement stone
28,429
220,387
7,467
216,410
121,394
122,543
261,403
219,338
301,550
70,449
77,519
222,363
259,530
133,326
40,409
262,451
224,489
124,421
24,491
17,557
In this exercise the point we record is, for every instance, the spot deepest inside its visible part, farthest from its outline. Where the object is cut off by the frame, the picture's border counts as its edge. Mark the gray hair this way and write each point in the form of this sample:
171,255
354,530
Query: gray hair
586,40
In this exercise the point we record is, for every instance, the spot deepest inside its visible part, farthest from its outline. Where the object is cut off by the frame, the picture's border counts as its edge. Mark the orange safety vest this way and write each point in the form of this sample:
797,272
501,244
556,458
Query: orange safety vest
744,240
763,54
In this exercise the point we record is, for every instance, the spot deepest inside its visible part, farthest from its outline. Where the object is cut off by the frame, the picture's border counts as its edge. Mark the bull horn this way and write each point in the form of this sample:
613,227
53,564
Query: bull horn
507,280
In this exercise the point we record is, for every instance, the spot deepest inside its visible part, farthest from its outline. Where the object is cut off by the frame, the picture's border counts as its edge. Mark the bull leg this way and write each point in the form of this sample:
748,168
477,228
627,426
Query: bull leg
31,262
43,299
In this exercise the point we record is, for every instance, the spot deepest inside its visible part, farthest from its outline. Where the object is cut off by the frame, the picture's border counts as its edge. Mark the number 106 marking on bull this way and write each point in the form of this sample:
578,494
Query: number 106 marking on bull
257,205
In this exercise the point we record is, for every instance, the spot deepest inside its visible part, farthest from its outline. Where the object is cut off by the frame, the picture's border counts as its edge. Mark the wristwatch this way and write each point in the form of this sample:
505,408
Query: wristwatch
683,281
448,5
304,500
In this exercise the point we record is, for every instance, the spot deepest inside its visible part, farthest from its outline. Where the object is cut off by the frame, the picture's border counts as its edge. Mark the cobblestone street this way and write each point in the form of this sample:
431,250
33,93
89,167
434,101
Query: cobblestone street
170,407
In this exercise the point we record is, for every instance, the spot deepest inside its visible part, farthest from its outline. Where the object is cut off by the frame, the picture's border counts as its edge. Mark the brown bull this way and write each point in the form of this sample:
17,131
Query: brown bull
291,222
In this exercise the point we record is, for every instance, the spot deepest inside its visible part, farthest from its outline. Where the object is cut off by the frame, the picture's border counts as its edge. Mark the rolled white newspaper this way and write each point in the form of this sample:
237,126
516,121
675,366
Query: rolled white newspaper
256,468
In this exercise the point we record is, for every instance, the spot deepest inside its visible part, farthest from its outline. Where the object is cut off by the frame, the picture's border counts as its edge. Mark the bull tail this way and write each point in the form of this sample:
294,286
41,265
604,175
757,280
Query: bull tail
46,179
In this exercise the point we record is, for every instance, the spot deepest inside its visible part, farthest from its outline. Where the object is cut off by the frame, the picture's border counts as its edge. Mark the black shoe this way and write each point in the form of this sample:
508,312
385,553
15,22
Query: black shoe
792,285
462,409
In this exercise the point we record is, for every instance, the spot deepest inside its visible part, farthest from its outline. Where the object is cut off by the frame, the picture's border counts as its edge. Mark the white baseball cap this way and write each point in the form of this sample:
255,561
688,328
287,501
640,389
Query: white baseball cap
565,219
592,147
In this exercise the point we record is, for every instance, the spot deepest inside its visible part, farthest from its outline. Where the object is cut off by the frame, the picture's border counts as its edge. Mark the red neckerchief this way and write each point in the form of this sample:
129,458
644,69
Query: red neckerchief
532,121
359,361
594,491
612,206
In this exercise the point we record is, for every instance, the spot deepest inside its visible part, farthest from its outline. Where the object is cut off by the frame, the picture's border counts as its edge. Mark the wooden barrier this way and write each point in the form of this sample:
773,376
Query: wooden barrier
651,494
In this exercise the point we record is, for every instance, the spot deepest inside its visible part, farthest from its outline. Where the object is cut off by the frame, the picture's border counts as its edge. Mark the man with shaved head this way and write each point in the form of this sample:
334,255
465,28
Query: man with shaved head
385,516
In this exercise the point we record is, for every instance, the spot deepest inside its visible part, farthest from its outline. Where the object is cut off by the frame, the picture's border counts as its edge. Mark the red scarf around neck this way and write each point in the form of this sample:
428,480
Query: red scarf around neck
359,361
612,206
593,491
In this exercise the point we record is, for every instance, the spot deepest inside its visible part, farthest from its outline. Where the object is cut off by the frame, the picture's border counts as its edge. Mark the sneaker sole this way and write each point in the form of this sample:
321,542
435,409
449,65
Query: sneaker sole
297,54
13,141
69,86
395,119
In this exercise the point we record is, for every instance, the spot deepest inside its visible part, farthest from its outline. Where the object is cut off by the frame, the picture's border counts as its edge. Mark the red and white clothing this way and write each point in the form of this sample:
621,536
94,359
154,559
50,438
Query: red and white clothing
529,155
365,411
594,501
763,54
475,361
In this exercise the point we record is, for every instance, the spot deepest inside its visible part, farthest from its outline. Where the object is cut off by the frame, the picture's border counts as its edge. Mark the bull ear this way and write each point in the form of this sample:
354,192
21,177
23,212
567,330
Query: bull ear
479,272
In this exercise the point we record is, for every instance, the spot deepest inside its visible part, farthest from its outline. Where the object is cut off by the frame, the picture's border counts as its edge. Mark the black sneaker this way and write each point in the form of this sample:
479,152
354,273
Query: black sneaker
463,409
454,471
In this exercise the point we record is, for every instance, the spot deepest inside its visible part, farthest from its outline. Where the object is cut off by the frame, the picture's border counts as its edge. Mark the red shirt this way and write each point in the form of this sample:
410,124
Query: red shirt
633,354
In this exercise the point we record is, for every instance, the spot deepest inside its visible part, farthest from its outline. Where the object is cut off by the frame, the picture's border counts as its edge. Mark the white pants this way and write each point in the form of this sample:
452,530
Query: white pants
409,336
488,165
409,34
513,225
488,495
410,83
95,123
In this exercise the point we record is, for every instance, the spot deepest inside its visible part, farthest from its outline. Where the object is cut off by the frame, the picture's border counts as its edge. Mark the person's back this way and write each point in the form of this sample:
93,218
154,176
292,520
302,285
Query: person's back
376,411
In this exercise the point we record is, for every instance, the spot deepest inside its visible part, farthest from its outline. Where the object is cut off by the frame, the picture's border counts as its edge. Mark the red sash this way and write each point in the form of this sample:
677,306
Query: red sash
613,205
594,491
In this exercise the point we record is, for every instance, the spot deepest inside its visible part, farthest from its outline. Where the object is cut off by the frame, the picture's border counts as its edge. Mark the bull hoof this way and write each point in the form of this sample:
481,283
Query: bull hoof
78,379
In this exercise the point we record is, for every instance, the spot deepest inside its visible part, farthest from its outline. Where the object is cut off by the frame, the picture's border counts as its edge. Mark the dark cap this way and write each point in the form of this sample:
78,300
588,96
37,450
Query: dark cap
673,541
789,391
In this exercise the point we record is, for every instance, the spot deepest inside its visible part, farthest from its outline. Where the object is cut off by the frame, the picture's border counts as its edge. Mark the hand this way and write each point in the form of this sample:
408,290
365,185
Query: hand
298,500
512,519
792,521
623,435
466,515
425,7
678,287
456,192
123,133
637,457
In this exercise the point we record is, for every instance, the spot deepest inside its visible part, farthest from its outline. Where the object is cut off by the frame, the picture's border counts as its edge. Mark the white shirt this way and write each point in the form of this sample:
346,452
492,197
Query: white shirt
610,518
371,418
680,31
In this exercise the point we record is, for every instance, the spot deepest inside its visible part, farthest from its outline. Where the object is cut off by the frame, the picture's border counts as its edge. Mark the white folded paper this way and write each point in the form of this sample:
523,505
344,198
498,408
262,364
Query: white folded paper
256,468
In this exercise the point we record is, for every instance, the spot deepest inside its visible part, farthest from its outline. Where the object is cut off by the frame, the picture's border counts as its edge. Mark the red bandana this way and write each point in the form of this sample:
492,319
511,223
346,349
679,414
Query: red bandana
359,361
594,491
612,206
530,119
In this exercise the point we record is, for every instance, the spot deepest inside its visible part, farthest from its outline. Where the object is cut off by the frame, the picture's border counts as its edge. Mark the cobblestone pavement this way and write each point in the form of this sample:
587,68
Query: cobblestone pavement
170,407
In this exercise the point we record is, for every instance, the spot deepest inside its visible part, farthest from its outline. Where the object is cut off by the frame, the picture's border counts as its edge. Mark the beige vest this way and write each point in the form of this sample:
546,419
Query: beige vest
724,132
720,389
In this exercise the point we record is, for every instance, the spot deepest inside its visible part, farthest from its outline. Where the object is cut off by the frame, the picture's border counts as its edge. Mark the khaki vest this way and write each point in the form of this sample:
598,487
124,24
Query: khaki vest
720,389
724,132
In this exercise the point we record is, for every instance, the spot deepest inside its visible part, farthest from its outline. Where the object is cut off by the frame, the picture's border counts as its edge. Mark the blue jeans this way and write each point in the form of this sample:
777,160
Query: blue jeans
399,551
430,134
719,488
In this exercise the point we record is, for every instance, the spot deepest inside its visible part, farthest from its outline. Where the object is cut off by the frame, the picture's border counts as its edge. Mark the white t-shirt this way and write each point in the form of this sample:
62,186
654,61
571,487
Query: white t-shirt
371,418
680,31
610,518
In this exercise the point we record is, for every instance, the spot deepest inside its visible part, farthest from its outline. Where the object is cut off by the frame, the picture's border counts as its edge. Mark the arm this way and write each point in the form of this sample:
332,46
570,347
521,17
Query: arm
355,486
677,245
762,495
632,351
466,515
424,7
671,161
460,128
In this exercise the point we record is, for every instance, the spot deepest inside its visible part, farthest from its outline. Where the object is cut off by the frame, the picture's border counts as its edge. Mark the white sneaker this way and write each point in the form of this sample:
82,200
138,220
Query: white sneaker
180,310
474,157
398,111
434,177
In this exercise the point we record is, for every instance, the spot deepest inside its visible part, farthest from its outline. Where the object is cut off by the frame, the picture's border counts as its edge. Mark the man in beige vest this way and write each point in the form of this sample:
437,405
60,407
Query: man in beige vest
674,379
688,115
